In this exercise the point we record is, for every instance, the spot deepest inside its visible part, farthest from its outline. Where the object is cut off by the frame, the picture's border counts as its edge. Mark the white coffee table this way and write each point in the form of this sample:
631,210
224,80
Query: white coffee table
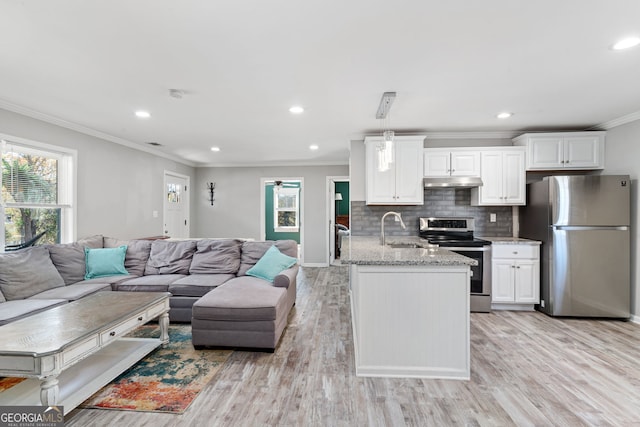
71,351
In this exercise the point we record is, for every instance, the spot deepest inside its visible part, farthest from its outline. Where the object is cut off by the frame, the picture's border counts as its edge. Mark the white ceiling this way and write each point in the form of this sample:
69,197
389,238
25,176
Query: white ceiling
454,65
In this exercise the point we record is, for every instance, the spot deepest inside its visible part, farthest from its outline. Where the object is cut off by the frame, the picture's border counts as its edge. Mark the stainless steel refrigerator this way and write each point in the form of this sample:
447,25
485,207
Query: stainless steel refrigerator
583,223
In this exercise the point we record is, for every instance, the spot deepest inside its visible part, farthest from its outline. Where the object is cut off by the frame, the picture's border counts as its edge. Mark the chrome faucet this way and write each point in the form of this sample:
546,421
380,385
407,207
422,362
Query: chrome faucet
397,215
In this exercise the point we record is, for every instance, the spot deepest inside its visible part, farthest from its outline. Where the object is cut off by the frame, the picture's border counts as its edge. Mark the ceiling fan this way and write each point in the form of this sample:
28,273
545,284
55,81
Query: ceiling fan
281,184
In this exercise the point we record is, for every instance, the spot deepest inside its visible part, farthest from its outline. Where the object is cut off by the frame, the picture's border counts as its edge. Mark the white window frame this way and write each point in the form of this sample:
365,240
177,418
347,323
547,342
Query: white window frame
295,191
67,193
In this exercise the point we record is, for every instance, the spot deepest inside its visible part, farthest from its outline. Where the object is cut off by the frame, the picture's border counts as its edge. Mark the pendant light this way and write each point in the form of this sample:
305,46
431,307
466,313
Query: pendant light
385,148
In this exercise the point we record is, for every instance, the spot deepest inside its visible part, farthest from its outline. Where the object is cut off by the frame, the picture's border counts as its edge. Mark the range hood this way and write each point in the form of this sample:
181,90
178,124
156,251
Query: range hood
453,182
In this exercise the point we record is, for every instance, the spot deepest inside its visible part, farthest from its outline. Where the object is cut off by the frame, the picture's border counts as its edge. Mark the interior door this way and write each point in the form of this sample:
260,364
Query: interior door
176,206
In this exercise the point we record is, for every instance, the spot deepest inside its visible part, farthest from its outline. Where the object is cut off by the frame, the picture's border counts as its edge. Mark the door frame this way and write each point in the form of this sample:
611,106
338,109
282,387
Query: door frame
331,214
263,226
186,195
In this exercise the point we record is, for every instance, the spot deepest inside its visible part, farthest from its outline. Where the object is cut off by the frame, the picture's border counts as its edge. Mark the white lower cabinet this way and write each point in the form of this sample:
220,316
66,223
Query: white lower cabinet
515,282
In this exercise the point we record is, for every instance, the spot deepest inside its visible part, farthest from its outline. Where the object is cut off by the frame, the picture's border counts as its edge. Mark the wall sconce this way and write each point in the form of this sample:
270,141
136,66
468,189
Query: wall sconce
211,186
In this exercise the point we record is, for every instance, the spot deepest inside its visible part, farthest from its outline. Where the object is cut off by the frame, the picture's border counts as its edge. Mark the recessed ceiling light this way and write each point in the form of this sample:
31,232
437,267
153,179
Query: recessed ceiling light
626,43
215,149
296,109
504,115
143,114
313,147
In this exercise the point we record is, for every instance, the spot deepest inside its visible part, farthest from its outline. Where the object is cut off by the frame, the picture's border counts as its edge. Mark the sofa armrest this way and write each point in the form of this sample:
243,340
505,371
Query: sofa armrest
286,277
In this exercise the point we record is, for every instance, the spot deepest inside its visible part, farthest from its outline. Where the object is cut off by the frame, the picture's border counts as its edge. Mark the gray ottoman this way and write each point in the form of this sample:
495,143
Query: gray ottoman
244,312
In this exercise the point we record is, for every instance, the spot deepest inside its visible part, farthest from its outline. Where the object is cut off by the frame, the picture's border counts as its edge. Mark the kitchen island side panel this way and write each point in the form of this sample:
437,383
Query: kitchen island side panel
411,321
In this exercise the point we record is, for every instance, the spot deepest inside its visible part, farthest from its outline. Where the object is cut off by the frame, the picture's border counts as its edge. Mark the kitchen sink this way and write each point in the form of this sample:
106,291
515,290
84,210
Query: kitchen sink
403,245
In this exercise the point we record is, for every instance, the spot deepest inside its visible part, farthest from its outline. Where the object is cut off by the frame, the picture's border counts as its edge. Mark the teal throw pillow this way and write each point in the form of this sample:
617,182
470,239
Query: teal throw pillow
271,264
105,262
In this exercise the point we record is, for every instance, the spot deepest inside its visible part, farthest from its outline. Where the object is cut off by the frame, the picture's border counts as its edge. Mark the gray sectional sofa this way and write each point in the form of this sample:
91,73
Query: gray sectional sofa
232,308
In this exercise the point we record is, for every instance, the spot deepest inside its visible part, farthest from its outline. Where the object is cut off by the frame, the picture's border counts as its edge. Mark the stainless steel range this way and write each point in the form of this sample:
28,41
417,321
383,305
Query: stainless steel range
456,235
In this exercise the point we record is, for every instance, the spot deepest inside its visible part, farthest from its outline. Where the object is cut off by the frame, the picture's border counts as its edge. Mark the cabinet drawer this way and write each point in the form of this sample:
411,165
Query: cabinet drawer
79,350
122,328
156,311
515,251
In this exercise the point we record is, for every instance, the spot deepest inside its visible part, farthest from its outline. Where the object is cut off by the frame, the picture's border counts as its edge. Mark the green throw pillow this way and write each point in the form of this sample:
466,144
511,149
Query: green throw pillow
105,262
271,264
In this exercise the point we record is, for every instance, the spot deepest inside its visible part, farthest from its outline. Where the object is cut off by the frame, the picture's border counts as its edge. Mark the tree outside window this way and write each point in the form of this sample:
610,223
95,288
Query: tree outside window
286,209
32,195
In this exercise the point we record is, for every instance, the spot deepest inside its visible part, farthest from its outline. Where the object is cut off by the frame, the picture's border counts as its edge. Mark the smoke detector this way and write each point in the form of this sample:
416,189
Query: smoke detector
176,93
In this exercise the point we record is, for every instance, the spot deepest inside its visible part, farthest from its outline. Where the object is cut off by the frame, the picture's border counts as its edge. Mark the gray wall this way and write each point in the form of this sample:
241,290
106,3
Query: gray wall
236,210
621,157
118,188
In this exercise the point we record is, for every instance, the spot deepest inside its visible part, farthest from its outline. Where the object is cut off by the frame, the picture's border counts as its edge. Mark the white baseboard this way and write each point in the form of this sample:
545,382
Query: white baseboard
635,319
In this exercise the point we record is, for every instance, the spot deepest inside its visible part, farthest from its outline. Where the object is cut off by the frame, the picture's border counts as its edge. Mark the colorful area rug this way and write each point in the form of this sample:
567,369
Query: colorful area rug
167,380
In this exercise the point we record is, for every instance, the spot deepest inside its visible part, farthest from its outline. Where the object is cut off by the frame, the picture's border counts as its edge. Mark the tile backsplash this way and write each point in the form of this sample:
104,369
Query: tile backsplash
365,220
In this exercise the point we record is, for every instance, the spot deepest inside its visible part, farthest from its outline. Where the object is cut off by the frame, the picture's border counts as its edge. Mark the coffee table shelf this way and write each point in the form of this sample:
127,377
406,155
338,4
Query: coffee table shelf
85,377
87,355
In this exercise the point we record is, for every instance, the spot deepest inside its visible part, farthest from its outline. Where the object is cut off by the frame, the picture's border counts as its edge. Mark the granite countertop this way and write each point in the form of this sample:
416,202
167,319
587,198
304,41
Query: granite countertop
367,250
511,240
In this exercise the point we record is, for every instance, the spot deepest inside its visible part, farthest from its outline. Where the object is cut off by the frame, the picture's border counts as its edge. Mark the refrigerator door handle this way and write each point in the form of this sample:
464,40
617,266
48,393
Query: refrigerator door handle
585,227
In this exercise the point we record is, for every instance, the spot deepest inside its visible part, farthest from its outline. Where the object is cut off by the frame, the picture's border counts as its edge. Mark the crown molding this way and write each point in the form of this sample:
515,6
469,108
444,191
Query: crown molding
473,135
87,131
619,121
450,135
274,164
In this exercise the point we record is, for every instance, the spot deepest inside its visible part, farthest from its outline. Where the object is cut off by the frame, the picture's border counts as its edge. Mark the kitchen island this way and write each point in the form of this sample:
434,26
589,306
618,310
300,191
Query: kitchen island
410,308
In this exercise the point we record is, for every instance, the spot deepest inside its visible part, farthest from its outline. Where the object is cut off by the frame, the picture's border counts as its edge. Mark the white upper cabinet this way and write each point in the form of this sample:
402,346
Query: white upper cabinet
563,150
502,170
400,184
440,162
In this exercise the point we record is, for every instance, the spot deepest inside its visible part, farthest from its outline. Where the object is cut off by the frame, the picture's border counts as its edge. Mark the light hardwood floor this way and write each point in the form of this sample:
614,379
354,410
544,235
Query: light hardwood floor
526,369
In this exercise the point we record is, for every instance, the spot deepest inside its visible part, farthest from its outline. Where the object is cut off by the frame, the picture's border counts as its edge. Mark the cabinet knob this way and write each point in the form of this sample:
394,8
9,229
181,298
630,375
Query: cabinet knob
140,319
518,266
515,252
112,333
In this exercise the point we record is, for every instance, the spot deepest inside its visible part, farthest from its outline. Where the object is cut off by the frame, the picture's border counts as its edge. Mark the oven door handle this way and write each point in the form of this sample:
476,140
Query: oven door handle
467,248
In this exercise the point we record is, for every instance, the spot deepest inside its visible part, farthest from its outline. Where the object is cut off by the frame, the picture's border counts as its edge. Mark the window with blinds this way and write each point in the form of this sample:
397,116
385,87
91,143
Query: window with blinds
36,195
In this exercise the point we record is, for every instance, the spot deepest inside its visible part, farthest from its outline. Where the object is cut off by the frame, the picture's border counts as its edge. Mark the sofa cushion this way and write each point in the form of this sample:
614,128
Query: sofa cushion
14,310
242,299
105,262
271,264
216,257
72,292
27,272
69,258
170,257
109,280
154,283
253,251
197,285
137,255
